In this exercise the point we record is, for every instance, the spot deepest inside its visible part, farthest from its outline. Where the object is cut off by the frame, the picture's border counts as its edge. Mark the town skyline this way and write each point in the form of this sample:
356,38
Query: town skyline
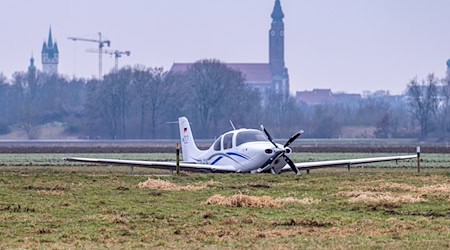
347,46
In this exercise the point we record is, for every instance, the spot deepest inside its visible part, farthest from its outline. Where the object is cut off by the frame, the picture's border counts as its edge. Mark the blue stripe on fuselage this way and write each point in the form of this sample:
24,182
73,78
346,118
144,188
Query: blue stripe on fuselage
236,154
216,160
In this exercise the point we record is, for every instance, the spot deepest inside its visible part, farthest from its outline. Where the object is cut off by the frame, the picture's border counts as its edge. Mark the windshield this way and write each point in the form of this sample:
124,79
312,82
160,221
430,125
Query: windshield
250,136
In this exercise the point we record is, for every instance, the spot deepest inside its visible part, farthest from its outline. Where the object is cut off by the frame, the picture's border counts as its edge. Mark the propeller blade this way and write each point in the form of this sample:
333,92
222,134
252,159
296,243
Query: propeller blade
268,135
268,163
293,138
291,164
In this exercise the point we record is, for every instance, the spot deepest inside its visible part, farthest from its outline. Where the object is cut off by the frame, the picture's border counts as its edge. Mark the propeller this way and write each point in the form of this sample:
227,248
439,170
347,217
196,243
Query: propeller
268,136
283,154
293,138
291,164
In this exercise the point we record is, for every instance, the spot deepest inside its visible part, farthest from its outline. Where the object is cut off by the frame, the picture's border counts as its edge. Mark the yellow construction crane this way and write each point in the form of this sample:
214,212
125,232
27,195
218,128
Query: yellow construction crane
101,44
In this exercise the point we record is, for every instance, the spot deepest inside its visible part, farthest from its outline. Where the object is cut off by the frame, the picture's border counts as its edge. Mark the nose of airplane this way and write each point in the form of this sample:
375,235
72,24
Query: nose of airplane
288,151
279,150
271,151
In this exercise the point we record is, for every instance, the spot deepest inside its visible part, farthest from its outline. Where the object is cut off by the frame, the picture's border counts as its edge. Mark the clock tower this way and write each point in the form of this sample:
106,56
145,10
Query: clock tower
280,77
50,56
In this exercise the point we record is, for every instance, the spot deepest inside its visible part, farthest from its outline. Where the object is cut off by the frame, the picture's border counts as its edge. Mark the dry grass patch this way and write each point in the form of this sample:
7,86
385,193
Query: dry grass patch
381,198
431,189
377,192
120,219
51,192
304,201
240,200
169,186
436,189
398,228
398,187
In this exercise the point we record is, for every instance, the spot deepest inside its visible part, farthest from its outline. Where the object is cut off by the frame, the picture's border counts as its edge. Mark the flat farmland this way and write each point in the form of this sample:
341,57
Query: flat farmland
168,146
48,203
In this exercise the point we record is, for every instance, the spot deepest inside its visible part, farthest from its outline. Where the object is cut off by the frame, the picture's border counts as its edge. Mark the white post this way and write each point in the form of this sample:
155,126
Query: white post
418,159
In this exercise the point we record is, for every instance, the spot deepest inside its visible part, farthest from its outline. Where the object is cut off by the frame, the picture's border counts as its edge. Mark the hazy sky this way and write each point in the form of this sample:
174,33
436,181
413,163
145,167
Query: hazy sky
345,45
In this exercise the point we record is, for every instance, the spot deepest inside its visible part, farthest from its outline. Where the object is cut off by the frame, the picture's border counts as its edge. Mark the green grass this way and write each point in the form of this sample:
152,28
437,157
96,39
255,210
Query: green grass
56,160
48,203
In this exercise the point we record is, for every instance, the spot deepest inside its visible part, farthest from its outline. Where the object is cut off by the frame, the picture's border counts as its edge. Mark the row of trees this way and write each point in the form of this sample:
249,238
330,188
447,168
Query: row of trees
138,102
429,104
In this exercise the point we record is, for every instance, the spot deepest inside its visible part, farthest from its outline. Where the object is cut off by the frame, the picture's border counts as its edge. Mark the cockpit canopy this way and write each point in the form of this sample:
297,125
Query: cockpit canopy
250,136
229,140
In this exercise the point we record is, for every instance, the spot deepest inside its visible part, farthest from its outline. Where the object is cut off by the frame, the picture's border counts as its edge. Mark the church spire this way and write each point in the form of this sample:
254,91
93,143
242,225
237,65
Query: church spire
50,55
277,13
50,40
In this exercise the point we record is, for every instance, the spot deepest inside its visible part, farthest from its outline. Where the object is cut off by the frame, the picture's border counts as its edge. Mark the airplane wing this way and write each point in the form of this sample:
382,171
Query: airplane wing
159,165
347,162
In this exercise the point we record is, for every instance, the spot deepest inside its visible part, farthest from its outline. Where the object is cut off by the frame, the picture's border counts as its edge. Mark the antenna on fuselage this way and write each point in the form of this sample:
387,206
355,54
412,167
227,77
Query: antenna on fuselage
232,125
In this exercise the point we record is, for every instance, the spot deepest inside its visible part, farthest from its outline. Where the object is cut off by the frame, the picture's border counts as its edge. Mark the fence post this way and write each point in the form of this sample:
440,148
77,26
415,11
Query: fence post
418,159
178,158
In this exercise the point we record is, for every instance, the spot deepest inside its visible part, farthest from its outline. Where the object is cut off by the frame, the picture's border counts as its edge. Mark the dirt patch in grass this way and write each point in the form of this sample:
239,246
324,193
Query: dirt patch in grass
259,185
17,208
241,200
43,230
398,228
169,186
120,219
56,187
304,223
423,214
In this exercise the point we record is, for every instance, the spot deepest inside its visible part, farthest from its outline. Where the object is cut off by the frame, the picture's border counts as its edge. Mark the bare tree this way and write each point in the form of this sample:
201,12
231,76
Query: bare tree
443,109
111,102
423,102
155,90
142,79
212,88
26,104
383,127
283,115
4,100
160,96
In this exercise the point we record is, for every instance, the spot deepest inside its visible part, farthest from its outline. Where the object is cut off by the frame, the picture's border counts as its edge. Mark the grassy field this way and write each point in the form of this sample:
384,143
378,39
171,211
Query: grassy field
48,203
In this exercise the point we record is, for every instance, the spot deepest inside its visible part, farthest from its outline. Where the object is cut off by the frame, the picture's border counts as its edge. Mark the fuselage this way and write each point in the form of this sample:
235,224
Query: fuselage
248,150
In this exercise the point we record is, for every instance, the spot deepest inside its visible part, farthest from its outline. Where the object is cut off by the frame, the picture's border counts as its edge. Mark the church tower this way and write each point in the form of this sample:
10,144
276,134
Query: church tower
50,56
280,77
31,70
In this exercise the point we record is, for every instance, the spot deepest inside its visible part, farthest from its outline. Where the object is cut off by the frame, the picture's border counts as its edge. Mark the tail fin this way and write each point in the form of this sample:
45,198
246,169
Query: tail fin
188,147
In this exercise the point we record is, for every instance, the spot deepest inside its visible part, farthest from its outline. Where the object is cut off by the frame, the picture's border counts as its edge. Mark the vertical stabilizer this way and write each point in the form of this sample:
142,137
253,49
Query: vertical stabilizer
188,147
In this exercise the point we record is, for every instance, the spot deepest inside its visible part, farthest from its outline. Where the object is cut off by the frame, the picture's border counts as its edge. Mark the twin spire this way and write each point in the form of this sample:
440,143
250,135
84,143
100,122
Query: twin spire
50,40
277,13
49,46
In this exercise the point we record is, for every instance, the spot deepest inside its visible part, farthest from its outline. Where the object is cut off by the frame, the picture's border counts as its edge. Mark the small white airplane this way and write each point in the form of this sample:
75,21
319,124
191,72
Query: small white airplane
239,151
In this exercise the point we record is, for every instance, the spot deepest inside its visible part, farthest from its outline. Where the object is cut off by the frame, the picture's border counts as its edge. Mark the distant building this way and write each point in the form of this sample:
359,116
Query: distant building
31,69
325,96
50,56
269,77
